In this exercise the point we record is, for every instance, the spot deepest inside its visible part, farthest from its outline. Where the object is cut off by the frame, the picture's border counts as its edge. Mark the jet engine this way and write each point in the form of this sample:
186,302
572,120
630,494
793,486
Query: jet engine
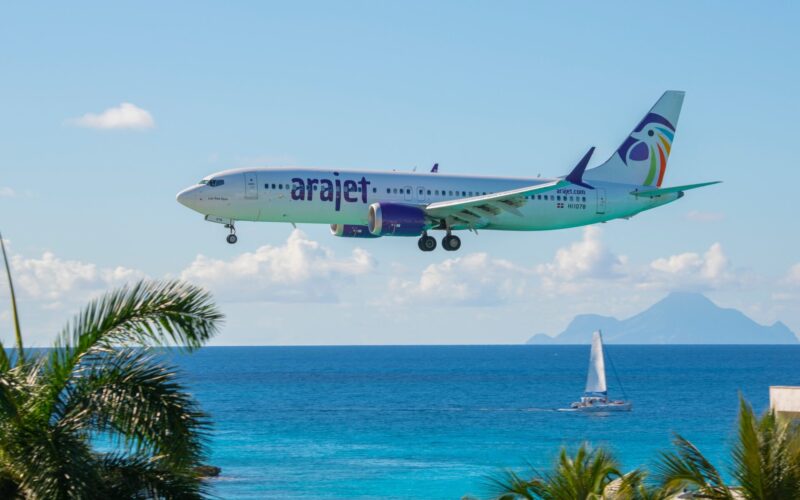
396,219
351,231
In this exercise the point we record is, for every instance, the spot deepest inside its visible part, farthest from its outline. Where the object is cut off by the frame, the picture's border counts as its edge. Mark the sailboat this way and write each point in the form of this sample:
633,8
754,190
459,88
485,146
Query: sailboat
595,397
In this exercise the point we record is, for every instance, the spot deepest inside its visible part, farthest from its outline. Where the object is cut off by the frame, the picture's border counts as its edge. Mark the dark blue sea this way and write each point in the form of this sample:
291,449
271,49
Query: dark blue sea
433,422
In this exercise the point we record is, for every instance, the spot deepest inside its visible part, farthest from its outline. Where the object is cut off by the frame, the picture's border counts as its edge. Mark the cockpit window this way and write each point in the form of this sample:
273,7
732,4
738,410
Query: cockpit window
216,182
203,182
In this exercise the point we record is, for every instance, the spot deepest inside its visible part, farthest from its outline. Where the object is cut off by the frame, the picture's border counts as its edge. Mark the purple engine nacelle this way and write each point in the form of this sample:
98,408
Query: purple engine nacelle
396,219
351,231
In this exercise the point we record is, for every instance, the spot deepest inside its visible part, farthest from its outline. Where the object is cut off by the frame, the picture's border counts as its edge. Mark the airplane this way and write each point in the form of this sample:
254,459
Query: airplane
373,204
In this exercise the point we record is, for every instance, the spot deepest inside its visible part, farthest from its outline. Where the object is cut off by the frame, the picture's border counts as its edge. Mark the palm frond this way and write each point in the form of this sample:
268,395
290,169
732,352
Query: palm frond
142,477
145,314
8,397
508,485
137,399
628,487
747,453
586,474
54,462
765,459
688,467
101,380
4,362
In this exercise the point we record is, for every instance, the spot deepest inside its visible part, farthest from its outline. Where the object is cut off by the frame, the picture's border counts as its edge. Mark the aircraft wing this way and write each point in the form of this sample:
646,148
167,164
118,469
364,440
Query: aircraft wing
477,210
471,211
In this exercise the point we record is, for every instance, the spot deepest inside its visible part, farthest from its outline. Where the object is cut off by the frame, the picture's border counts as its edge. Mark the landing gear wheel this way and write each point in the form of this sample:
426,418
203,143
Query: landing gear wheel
231,237
427,243
451,243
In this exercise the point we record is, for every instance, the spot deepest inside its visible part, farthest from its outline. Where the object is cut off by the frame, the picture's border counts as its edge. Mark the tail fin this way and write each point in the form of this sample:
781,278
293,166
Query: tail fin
642,158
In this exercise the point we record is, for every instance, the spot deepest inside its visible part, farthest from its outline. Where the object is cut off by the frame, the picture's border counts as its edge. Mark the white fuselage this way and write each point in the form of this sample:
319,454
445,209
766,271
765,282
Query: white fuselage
316,196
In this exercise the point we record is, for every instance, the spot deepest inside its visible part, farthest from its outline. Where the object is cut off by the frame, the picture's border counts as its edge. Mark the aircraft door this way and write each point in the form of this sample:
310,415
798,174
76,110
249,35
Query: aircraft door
601,200
408,193
250,186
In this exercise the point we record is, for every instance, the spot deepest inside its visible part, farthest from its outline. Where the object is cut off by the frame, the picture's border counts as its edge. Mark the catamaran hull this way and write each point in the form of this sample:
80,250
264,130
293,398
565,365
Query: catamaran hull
600,408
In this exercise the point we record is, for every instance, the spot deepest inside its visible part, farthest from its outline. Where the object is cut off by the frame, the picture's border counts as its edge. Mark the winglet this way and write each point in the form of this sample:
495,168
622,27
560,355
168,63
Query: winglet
576,176
435,168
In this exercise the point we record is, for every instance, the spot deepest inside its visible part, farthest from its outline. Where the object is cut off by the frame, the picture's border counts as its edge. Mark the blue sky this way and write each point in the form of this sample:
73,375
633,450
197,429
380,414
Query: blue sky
512,88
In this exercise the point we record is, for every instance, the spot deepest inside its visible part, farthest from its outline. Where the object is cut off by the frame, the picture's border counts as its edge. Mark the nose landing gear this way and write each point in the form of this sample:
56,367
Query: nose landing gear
231,237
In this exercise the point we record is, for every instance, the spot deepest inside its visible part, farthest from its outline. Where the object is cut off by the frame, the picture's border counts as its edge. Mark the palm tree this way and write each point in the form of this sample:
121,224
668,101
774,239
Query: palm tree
765,462
101,415
589,474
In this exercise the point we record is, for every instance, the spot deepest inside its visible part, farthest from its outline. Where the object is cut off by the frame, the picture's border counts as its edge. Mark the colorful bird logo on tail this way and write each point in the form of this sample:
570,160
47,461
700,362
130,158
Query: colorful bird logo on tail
648,147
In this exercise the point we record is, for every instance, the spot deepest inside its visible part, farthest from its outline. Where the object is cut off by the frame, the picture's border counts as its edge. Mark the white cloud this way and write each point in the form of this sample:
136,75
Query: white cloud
793,275
583,267
582,262
53,280
699,216
7,192
124,116
474,279
300,270
690,270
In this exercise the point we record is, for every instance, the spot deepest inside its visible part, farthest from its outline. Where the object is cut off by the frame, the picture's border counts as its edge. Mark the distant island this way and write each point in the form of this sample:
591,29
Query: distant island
680,318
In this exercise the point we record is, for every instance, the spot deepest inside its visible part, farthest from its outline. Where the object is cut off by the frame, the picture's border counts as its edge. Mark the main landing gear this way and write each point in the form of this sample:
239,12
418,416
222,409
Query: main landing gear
231,237
426,243
450,242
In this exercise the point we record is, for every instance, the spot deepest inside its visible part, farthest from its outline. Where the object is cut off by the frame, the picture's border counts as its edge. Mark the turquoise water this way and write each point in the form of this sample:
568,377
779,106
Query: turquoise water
433,422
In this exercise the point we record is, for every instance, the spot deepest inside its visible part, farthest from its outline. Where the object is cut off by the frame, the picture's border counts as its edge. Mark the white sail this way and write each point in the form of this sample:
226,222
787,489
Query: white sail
596,379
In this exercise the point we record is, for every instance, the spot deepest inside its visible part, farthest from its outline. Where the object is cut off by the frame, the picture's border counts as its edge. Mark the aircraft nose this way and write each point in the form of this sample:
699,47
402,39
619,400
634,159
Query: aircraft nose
188,197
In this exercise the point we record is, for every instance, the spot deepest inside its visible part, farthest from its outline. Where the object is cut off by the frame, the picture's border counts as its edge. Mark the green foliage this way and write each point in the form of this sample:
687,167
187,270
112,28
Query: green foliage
101,381
765,464
589,474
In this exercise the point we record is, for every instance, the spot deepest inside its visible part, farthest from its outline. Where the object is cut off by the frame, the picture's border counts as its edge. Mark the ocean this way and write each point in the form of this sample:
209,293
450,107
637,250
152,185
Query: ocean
432,422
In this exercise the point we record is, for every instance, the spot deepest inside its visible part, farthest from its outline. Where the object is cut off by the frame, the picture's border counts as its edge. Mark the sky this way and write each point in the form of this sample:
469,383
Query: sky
107,110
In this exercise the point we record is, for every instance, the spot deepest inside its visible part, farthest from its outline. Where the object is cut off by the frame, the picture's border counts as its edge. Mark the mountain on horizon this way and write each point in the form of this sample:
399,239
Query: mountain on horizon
679,318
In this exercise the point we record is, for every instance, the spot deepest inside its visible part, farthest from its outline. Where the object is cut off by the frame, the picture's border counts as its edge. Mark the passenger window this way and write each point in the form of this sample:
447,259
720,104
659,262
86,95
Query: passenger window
374,190
408,191
394,190
463,193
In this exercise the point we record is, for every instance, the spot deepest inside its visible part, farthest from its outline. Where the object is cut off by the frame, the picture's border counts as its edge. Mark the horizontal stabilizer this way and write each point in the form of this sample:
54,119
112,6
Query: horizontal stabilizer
652,193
